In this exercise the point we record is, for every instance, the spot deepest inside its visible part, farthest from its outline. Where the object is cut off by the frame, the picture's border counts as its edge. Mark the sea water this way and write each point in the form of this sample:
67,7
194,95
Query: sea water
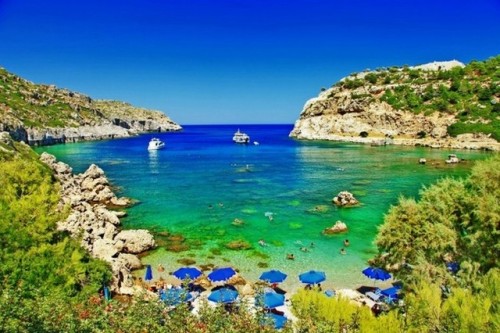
193,191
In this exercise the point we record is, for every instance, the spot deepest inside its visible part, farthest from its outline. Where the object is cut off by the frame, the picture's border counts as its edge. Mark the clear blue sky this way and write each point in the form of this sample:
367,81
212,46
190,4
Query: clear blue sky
233,61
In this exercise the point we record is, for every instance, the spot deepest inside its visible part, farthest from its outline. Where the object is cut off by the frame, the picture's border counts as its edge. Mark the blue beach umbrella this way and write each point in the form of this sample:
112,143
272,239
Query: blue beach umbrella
187,273
312,277
273,276
223,295
149,273
221,274
270,300
376,273
279,321
175,296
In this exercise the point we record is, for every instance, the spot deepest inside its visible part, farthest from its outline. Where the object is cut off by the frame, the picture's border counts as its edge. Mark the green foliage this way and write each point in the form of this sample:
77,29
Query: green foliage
35,256
455,219
462,127
461,311
371,77
472,93
37,105
353,84
317,313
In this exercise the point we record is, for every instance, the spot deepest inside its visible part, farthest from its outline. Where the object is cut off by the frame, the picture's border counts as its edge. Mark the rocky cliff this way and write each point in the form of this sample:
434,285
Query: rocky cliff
87,197
442,104
44,114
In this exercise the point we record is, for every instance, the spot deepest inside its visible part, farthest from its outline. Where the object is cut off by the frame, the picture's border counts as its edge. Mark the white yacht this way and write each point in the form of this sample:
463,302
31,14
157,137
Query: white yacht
156,144
240,137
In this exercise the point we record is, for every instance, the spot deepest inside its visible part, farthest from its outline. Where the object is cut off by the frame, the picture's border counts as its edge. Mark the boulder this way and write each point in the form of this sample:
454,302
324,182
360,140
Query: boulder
136,241
345,198
338,227
130,261
120,201
104,249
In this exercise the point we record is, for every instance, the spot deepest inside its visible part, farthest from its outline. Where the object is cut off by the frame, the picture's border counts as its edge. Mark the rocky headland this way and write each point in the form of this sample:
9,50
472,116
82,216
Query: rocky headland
40,114
88,197
442,104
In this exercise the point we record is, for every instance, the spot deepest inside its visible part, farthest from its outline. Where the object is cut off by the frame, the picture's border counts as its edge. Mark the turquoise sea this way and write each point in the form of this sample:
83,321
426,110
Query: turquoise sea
201,182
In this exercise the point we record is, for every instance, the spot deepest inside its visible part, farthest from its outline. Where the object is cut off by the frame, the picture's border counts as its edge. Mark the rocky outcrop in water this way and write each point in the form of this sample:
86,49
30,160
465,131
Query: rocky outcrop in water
337,228
345,198
88,195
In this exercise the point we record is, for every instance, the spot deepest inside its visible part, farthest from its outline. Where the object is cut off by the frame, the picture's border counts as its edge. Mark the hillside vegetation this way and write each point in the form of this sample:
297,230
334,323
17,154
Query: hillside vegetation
471,93
25,104
430,104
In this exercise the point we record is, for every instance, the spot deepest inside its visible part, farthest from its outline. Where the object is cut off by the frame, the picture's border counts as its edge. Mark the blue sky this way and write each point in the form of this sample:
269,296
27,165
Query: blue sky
233,61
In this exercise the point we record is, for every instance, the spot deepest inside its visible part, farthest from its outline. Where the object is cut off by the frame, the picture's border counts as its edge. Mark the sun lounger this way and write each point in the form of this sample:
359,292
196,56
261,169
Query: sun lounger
374,296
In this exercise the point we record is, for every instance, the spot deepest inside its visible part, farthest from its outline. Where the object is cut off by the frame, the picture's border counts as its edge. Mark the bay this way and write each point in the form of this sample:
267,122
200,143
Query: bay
202,182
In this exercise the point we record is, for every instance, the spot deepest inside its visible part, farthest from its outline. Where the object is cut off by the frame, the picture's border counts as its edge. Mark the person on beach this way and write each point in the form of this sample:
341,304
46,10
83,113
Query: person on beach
304,249
346,243
290,256
343,251
262,242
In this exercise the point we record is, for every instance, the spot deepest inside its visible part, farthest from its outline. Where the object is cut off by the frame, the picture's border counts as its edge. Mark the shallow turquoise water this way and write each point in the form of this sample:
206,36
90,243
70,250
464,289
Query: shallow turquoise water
201,182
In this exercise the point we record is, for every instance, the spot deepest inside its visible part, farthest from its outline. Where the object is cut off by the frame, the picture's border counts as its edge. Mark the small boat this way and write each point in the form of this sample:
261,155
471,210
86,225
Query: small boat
452,159
256,143
156,144
240,137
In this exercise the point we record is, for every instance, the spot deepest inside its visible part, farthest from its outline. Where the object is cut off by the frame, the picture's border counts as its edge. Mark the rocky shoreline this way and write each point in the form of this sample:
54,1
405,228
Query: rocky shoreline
464,141
58,135
88,197
369,107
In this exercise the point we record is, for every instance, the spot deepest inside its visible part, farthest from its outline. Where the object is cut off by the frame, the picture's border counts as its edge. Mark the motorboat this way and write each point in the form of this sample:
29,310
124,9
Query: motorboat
156,144
240,137
452,158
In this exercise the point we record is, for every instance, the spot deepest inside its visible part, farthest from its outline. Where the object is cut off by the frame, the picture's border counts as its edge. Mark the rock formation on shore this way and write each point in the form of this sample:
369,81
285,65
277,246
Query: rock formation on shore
88,195
443,104
40,114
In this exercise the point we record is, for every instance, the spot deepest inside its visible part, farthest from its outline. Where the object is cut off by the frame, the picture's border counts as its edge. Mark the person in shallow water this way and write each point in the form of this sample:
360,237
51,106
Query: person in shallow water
262,242
343,251
346,243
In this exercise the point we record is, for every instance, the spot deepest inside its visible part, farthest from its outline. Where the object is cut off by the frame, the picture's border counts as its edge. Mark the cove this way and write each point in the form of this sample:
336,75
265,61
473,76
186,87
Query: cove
203,194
